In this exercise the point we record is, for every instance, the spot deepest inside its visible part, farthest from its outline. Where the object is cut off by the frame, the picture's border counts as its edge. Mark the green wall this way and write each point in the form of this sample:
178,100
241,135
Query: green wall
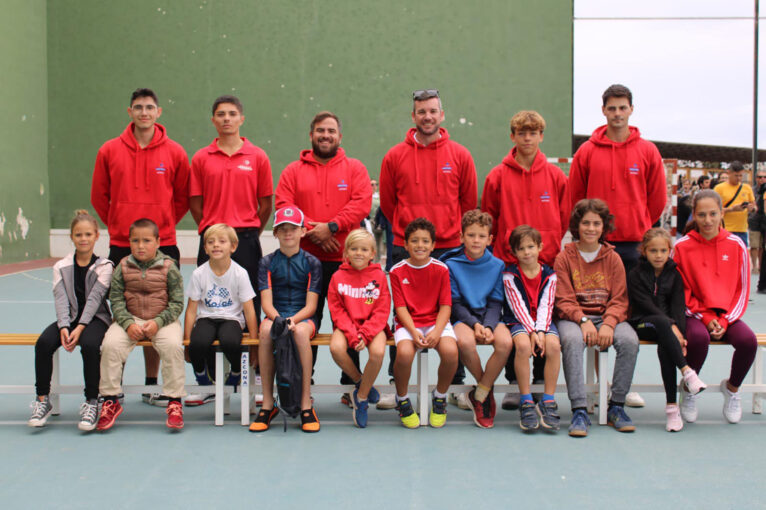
288,60
24,191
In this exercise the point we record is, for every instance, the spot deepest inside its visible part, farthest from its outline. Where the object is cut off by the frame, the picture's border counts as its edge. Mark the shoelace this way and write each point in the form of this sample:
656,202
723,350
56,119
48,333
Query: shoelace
38,409
733,403
440,405
582,418
88,412
174,410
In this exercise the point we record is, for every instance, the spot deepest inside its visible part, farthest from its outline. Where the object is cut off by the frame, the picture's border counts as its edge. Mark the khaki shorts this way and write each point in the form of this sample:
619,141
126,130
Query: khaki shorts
755,239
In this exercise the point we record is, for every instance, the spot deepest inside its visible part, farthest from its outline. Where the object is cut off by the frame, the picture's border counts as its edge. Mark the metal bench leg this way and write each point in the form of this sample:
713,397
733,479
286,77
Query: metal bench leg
603,366
54,394
758,379
219,373
423,387
590,371
244,387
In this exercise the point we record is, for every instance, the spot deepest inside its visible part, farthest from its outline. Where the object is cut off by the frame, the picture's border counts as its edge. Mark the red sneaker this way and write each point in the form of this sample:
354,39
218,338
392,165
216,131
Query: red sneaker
483,412
175,415
110,410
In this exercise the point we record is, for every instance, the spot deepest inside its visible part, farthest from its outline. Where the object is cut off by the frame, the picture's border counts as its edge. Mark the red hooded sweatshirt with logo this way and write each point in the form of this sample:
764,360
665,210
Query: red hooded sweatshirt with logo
435,181
716,276
338,191
537,197
359,302
629,176
130,183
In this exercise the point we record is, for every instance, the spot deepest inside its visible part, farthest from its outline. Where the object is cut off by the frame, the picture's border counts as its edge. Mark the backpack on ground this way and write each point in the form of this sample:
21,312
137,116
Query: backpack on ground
287,368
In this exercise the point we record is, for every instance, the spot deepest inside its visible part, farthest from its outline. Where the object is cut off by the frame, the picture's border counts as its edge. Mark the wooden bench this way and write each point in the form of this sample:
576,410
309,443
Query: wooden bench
596,385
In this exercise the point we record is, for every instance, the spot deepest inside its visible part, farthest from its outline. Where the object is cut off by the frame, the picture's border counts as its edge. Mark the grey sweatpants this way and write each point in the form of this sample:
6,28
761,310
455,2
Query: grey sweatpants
572,348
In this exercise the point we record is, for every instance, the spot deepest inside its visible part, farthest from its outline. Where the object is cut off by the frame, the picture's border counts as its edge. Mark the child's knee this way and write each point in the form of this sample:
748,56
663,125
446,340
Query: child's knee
448,349
377,350
552,345
265,329
523,346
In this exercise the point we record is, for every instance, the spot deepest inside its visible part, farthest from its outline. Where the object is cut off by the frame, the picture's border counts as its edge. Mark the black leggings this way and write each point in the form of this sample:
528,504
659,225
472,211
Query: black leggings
658,328
204,333
90,349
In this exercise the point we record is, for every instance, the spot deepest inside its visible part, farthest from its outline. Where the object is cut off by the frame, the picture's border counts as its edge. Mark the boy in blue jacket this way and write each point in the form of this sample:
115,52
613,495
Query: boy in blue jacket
476,278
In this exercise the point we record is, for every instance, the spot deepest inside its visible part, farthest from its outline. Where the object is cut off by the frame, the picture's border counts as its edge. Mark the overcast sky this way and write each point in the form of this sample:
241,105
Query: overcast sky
692,80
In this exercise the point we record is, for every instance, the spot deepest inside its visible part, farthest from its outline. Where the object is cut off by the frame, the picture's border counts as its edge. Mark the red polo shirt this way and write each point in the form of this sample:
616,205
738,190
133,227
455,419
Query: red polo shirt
230,186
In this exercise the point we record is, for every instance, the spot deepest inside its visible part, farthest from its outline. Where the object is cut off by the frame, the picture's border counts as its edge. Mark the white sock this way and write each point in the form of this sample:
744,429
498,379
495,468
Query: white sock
439,395
399,399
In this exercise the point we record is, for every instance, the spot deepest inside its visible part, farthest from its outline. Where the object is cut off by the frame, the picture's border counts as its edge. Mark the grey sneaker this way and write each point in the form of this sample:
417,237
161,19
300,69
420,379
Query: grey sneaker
511,401
88,415
529,421
155,399
41,409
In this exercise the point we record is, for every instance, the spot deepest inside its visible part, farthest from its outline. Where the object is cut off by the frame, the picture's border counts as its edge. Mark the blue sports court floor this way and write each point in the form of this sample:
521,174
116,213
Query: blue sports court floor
139,464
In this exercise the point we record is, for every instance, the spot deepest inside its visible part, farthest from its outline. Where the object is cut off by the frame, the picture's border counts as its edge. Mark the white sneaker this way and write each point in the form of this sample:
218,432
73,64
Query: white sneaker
511,401
688,406
674,422
88,415
732,404
387,401
633,399
198,399
693,382
460,400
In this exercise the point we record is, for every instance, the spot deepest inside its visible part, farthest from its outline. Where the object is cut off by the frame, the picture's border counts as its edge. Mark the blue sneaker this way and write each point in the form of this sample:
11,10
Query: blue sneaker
204,379
360,410
373,396
529,421
580,424
232,379
549,415
616,417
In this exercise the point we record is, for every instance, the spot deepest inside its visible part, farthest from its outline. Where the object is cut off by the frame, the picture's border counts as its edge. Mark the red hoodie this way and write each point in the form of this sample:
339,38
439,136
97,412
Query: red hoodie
538,197
359,302
130,183
437,181
628,176
339,191
716,276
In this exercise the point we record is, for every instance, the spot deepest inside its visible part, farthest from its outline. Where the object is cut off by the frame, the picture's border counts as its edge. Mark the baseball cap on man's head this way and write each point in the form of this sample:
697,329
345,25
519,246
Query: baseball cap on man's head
290,214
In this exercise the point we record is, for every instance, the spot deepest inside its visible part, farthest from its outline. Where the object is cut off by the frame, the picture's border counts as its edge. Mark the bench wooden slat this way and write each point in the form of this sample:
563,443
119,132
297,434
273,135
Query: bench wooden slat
31,338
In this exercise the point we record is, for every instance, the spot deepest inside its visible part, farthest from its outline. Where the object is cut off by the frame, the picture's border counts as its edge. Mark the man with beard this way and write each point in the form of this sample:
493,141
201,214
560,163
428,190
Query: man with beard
427,175
335,195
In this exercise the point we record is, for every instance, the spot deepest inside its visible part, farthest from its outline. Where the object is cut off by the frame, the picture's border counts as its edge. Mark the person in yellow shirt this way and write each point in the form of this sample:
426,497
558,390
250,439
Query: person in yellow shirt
738,200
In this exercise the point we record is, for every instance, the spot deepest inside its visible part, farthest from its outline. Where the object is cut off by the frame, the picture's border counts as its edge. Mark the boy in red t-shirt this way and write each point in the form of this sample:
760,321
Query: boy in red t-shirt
422,296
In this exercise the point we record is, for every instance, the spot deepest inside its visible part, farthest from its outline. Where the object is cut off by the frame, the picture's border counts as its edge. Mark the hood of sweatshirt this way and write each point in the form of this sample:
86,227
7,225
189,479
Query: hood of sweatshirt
307,157
572,250
538,165
127,138
364,273
436,146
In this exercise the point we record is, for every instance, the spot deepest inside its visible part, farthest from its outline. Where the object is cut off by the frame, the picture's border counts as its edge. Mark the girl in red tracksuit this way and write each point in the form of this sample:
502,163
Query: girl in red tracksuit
715,267
359,304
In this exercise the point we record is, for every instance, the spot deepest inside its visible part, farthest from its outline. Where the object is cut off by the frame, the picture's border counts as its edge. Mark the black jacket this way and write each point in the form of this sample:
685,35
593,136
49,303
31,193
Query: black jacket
656,295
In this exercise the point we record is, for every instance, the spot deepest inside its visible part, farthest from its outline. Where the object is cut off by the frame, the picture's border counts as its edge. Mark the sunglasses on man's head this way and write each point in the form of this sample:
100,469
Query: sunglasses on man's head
422,95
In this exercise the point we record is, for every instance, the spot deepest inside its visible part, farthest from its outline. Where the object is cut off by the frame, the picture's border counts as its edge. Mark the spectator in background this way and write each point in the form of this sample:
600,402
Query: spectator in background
684,207
703,182
738,199
760,194
377,230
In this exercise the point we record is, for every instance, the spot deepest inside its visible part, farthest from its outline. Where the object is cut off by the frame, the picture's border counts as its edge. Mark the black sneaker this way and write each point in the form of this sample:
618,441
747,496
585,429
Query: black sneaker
155,399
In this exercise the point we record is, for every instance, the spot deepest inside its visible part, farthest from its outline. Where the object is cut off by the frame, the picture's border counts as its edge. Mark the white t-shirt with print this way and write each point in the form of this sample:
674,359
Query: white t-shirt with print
221,297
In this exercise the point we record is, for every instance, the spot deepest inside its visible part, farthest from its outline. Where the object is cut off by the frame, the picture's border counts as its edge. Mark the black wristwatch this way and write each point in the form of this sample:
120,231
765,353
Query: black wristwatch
333,227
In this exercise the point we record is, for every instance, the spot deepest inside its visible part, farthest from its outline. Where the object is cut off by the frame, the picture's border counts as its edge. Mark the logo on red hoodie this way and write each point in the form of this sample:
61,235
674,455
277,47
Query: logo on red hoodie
447,169
342,186
545,197
160,169
633,169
